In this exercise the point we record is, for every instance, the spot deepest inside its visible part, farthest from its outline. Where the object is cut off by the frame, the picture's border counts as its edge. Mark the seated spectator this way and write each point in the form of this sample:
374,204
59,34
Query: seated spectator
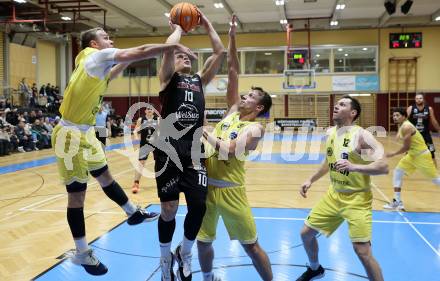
5,136
48,125
32,117
24,138
12,116
40,134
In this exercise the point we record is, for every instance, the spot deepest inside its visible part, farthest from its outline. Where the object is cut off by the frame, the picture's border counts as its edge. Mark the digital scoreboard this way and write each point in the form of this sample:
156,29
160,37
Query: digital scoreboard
296,59
405,40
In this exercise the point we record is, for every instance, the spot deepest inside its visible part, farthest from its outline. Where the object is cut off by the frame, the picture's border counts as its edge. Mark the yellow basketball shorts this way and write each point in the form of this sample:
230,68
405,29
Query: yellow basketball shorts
335,207
232,205
422,162
77,153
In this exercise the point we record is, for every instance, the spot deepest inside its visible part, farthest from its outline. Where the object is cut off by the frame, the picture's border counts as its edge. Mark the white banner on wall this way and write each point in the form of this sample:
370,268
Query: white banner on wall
344,83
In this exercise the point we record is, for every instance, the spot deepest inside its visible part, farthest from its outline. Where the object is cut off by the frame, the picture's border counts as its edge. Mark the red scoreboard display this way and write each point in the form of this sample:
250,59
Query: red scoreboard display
405,40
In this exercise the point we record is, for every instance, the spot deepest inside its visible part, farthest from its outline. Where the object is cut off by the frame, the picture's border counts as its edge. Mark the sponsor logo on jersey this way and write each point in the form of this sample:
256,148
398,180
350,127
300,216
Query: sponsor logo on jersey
187,115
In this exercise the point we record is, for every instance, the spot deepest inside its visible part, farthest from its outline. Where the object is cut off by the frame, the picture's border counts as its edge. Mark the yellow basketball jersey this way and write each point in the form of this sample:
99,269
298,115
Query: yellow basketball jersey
418,144
342,147
83,95
232,169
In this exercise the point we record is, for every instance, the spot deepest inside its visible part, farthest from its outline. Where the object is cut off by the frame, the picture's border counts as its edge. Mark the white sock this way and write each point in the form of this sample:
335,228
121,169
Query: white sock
207,276
165,249
81,244
397,196
186,246
129,208
314,265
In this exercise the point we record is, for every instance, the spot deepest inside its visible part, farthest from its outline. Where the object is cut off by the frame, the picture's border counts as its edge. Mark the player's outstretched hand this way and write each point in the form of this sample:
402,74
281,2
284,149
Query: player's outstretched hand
233,27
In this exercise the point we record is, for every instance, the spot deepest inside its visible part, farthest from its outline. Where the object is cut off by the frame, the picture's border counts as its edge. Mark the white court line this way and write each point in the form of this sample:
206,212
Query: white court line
41,202
48,200
257,218
64,210
411,224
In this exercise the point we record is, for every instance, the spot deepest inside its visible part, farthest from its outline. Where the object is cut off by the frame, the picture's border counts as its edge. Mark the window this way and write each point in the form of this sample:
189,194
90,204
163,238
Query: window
223,68
264,62
142,68
320,60
358,59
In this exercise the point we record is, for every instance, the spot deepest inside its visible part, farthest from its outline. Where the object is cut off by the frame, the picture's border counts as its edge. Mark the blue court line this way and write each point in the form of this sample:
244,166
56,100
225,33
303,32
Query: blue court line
47,160
132,252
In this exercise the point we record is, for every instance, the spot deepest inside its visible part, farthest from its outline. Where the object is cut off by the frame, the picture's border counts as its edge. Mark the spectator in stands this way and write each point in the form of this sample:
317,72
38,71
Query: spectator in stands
34,96
24,138
48,125
32,117
40,115
43,91
5,141
26,91
12,116
49,91
41,134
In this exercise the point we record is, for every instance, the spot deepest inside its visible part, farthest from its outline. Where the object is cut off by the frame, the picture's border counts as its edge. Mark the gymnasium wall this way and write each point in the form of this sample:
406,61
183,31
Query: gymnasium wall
47,62
2,62
428,71
21,64
273,83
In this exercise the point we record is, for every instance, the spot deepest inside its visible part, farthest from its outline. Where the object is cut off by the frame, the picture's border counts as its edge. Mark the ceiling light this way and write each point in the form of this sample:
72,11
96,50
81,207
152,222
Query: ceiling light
273,96
283,21
20,1
340,49
340,7
218,5
437,18
268,54
359,95
334,23
340,60
167,15
346,55
318,55
406,6
279,2
364,49
66,18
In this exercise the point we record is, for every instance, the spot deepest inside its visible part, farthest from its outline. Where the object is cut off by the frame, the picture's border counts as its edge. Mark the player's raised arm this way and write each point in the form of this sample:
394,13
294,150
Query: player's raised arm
213,63
167,66
232,96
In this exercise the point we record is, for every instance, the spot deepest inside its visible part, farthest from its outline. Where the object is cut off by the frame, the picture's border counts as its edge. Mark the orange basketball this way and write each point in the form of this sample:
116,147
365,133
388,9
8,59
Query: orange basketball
186,15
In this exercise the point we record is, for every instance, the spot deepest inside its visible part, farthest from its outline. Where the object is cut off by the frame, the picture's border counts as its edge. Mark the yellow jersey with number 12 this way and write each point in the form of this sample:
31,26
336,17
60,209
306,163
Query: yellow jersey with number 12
84,93
343,147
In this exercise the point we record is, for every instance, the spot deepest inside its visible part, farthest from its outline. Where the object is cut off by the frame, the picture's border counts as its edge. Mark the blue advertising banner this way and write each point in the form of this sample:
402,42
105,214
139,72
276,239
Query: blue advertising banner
367,83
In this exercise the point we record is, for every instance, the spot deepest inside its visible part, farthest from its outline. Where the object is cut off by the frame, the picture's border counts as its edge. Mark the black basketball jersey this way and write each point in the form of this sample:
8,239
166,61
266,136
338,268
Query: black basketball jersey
149,126
420,119
184,97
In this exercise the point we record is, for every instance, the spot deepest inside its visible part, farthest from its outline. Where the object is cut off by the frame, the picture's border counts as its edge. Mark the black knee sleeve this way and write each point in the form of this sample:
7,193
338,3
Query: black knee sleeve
75,218
166,230
194,218
100,171
76,187
115,192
